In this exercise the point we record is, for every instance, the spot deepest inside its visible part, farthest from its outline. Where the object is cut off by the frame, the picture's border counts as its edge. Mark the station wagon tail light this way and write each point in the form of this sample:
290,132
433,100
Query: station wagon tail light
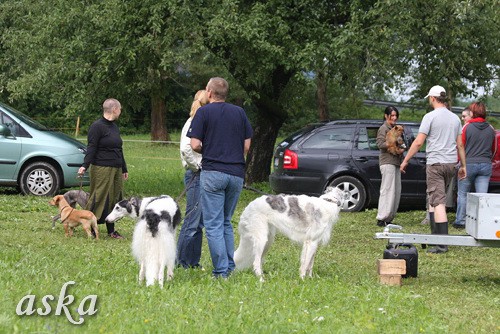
290,160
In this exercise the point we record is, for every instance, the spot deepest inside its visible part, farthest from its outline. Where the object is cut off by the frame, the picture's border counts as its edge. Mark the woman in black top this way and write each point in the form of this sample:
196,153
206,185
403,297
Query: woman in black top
107,165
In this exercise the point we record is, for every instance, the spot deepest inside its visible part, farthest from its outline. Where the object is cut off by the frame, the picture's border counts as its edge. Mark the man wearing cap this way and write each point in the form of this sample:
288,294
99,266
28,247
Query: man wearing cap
442,130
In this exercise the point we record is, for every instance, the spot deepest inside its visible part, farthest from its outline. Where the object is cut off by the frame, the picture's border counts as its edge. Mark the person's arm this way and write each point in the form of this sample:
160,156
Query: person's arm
464,136
124,168
93,137
247,145
494,146
414,148
189,157
188,154
462,171
381,142
196,145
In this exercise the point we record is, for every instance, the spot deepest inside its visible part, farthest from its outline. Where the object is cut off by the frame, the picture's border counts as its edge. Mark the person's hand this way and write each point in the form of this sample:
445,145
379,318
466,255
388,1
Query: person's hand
462,173
125,176
401,151
81,171
403,166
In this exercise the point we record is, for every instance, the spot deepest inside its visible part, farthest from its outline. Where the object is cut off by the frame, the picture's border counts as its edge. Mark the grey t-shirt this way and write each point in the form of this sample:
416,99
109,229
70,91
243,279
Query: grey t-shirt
442,128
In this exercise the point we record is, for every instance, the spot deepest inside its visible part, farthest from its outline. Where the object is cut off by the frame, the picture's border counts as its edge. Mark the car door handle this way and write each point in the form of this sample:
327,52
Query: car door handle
422,161
333,156
362,159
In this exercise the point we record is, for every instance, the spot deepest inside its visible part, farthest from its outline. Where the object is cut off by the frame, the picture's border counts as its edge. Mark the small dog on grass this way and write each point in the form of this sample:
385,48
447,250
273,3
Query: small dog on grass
304,219
394,139
73,197
72,217
153,241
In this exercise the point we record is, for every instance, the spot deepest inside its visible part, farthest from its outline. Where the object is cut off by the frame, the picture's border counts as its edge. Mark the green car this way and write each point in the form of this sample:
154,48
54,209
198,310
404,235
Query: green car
35,159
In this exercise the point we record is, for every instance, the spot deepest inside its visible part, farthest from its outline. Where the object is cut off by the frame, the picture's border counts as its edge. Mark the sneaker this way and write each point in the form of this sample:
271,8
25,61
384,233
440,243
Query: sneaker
115,235
219,277
381,223
185,266
458,226
198,267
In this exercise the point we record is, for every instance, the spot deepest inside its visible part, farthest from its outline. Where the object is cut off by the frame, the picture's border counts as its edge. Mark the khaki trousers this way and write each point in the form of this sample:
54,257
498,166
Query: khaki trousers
390,192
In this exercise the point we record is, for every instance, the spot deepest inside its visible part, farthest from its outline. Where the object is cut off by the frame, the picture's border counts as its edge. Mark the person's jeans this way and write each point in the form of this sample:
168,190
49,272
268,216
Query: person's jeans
478,174
191,234
219,196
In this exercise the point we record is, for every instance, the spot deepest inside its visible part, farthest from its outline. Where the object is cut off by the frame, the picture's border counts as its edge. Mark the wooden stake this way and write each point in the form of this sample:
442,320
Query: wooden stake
77,130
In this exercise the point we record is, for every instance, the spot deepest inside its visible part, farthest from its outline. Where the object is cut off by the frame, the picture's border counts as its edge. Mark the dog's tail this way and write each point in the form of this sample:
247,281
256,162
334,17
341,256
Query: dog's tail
243,256
93,226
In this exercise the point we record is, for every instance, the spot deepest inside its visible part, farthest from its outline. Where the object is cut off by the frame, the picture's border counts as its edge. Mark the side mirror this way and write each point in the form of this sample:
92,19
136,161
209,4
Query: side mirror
5,131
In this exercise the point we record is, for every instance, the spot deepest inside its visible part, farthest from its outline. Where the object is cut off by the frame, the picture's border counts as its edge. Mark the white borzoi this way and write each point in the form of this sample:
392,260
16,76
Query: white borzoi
304,219
153,242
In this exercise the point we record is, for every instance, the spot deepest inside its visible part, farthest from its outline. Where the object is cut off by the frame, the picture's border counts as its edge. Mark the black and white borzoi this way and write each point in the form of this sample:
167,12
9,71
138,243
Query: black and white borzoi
304,219
153,242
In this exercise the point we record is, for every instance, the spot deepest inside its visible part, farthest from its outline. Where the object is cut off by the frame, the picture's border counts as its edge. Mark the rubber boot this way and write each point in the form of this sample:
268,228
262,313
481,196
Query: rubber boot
442,229
432,223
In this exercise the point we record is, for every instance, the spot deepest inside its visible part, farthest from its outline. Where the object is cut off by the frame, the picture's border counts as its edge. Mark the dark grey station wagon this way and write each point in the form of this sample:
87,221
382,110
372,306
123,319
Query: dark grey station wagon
344,154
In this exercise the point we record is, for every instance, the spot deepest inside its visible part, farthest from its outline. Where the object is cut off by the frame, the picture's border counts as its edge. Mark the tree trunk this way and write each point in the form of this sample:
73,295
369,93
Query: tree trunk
158,119
322,99
271,116
261,151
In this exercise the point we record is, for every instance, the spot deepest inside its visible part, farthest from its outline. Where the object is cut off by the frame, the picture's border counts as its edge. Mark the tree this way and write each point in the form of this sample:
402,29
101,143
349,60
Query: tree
265,45
452,43
269,45
78,53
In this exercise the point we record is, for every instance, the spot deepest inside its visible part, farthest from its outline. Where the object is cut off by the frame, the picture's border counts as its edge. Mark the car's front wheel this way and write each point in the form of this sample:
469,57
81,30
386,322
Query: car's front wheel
39,179
354,192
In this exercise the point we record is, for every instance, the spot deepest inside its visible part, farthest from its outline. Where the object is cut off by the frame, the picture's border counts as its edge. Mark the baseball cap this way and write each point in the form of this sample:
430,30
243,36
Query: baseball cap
435,91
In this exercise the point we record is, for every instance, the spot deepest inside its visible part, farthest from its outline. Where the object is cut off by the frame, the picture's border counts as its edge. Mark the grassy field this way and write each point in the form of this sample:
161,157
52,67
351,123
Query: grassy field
458,292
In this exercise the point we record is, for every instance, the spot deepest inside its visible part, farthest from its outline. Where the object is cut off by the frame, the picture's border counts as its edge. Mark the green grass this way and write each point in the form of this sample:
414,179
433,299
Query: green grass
458,292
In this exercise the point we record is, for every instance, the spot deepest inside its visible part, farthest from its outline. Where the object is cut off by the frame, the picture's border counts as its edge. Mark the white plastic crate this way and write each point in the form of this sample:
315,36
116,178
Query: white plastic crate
483,216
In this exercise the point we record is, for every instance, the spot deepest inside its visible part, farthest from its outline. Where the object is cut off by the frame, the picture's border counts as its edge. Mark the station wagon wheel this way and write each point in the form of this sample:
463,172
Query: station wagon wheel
39,179
354,192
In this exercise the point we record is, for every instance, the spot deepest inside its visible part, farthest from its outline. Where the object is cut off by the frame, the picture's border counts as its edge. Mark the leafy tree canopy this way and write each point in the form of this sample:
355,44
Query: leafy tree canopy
153,55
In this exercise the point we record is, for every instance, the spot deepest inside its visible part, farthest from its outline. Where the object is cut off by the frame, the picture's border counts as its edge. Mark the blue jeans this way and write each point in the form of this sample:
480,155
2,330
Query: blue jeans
478,174
191,234
219,196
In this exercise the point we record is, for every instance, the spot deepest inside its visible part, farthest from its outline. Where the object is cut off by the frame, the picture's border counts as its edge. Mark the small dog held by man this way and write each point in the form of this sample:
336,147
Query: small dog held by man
394,139
71,217
304,219
153,241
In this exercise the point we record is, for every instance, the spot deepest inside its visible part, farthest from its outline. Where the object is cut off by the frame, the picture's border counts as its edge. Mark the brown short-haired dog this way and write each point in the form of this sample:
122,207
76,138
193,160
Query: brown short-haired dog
71,217
73,197
394,139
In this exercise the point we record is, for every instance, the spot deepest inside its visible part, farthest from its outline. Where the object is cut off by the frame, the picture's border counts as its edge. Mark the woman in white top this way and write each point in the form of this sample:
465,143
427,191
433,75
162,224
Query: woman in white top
191,234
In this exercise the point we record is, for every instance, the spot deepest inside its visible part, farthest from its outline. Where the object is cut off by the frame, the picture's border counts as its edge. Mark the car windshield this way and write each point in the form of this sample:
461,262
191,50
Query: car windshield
32,123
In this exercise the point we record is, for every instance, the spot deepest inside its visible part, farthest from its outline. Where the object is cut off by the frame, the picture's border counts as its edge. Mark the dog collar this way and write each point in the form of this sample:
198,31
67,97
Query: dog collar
331,201
64,207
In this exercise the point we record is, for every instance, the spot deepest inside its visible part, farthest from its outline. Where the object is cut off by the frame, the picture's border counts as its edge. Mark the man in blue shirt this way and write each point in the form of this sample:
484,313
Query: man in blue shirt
222,133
